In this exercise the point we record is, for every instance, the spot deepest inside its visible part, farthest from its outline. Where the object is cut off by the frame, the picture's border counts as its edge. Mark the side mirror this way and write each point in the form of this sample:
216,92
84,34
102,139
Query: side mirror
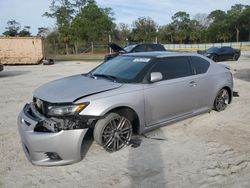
155,77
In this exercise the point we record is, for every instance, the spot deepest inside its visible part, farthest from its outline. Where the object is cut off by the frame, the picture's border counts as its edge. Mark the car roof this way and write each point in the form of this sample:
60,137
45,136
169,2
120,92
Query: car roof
161,54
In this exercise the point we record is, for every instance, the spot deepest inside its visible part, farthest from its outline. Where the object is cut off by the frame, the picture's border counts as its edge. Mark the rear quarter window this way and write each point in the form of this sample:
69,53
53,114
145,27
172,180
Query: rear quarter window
155,47
199,65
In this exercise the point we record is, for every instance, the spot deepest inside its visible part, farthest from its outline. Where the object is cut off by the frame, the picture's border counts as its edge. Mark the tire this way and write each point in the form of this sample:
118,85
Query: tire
113,132
236,57
222,100
214,58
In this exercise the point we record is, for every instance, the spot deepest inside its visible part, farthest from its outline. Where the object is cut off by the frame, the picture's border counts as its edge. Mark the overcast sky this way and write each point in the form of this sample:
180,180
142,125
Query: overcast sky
29,12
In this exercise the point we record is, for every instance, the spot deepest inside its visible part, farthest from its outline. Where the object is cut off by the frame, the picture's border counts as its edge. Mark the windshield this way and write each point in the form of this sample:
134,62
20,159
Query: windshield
129,48
212,49
125,69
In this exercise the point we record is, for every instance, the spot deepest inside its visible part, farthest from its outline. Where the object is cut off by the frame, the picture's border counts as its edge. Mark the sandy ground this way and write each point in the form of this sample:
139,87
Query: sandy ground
209,150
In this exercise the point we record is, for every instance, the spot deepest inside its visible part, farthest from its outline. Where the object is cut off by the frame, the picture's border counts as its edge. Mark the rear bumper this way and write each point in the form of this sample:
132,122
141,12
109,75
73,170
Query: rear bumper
48,148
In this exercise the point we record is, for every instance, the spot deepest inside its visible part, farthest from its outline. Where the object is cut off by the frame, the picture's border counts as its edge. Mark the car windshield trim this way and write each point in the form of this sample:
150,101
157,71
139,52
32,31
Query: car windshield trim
109,77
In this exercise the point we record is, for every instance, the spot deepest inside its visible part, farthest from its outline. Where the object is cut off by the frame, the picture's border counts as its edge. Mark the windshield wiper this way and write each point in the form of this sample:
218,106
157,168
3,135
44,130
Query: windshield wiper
90,75
109,77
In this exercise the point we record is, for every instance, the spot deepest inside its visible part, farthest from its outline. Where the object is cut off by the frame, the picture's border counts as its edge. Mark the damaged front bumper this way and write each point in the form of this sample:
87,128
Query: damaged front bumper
48,148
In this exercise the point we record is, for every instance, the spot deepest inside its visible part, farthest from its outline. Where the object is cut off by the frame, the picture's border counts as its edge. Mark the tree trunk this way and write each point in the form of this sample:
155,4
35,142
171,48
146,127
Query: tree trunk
172,39
237,34
67,48
76,47
55,48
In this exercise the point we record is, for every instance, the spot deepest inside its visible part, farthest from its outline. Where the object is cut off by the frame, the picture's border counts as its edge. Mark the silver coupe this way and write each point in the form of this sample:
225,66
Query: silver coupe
130,94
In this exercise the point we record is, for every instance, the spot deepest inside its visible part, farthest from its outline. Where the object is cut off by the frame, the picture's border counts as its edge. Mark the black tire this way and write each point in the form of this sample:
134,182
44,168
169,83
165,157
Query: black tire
113,132
222,100
236,57
214,58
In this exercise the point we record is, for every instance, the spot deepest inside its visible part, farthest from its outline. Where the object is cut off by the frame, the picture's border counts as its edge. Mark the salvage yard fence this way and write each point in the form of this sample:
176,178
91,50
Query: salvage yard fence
194,47
55,50
95,48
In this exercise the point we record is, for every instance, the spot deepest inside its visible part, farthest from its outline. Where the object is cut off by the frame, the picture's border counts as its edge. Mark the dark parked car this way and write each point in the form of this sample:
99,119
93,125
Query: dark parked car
133,49
1,67
221,54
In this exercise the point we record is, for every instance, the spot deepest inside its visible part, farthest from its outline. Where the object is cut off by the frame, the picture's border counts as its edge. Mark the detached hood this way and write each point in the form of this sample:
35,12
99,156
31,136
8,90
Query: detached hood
116,48
71,88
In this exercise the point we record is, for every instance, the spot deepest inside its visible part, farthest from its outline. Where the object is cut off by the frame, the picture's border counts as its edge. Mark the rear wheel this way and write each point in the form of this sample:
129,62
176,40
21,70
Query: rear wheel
236,57
222,100
113,132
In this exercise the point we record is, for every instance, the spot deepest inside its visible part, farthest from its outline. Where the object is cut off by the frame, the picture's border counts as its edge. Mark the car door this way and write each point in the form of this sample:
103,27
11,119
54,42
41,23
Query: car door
171,97
226,53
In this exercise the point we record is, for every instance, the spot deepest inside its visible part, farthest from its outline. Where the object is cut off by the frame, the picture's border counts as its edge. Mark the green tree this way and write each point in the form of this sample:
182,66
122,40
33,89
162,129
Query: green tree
25,32
218,30
42,32
12,29
123,32
92,23
234,15
181,22
244,20
167,33
194,31
144,29
63,11
52,43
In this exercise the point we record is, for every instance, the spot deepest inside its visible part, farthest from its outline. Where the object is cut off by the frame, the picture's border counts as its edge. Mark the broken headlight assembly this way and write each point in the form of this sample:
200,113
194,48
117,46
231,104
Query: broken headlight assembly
65,110
63,117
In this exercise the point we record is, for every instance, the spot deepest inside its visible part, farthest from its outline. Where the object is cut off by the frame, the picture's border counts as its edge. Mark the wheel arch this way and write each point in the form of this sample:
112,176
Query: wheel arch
130,114
229,90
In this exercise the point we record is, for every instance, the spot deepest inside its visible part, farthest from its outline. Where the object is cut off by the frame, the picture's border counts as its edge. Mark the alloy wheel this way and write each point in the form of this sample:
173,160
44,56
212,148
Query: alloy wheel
222,100
116,134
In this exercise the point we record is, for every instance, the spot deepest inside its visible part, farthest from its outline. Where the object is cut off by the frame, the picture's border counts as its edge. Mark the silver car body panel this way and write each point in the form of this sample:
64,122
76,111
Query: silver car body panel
155,104
58,91
67,144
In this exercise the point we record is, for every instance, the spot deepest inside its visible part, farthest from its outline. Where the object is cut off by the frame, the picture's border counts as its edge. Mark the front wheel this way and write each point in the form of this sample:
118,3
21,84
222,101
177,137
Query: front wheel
214,58
221,100
113,132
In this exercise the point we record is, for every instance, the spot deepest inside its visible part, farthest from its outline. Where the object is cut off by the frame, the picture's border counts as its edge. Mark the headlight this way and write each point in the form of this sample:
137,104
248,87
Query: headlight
66,110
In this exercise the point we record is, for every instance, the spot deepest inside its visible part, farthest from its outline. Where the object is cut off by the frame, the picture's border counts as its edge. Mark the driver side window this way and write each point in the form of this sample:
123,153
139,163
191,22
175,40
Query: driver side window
173,67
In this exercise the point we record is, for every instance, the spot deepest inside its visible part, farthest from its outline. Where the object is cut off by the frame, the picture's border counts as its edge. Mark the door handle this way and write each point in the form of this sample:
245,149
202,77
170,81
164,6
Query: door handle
192,84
